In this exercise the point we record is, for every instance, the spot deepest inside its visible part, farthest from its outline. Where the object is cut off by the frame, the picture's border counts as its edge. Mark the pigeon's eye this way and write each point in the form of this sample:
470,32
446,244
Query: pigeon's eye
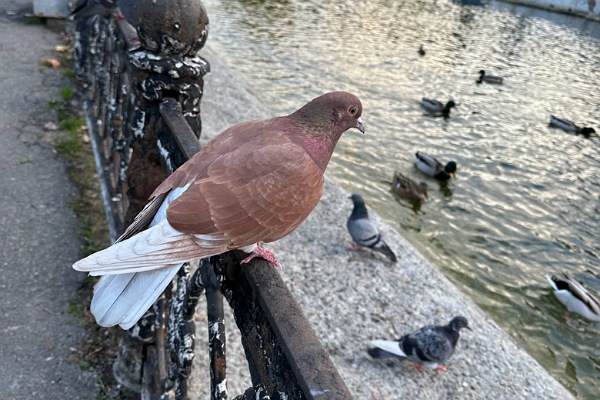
352,110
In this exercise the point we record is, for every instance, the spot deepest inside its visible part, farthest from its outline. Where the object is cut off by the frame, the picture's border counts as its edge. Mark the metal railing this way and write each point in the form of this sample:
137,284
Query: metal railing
142,102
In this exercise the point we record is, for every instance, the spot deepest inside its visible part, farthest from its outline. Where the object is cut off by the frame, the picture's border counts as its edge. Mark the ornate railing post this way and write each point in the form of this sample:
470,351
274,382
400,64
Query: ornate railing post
130,60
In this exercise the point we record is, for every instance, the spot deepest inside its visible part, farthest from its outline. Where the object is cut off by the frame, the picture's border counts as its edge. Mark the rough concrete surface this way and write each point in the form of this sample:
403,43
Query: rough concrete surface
39,231
353,297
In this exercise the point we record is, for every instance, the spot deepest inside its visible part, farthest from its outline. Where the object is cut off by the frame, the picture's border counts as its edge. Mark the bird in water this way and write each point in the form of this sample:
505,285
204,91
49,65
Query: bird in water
569,126
483,77
255,182
575,297
428,347
430,165
436,107
363,230
408,189
421,50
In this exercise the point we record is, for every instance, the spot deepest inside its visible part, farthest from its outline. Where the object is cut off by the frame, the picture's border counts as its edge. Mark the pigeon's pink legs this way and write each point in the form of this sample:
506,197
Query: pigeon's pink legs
263,253
356,248
421,368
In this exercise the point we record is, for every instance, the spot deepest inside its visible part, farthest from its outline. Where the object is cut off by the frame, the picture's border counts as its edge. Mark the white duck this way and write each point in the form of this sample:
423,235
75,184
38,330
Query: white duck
574,296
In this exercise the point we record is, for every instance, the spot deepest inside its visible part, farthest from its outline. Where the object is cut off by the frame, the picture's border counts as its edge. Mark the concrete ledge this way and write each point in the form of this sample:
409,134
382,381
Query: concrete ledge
353,297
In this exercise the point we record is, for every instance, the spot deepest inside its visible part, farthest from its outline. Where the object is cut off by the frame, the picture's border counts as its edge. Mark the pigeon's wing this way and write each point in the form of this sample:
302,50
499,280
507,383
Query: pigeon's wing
433,343
363,232
260,193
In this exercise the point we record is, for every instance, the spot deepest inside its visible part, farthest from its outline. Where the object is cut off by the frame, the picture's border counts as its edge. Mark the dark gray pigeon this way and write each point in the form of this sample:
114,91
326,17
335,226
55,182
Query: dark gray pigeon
428,347
363,230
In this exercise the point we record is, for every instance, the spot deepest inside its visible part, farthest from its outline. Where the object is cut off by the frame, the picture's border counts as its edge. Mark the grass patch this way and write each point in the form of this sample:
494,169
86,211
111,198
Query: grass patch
71,142
33,20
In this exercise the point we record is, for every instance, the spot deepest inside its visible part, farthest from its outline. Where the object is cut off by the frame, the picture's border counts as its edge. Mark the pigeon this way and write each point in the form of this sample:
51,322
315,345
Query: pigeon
429,347
437,107
255,182
574,296
363,230
569,126
429,165
489,78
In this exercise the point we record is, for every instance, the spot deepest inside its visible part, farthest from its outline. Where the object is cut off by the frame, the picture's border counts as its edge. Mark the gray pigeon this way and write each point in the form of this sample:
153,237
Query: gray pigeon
363,230
428,347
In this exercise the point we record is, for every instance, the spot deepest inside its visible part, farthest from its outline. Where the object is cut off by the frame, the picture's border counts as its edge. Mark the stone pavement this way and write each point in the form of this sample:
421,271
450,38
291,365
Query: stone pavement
39,231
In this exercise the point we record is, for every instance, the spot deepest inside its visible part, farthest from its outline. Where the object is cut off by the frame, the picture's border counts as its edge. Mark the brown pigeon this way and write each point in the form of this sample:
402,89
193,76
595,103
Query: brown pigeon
255,182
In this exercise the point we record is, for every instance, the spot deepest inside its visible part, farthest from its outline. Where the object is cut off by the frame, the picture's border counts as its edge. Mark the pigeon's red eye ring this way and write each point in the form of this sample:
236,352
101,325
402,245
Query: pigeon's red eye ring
352,110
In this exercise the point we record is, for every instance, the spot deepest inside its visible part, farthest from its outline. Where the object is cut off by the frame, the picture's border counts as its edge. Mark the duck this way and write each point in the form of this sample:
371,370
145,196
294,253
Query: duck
575,297
408,189
569,126
437,107
429,165
421,50
489,78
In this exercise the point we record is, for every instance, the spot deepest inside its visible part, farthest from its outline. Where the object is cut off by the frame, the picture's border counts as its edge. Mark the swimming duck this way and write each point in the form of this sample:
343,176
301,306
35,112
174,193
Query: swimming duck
569,126
437,107
489,78
408,189
429,165
574,296
421,50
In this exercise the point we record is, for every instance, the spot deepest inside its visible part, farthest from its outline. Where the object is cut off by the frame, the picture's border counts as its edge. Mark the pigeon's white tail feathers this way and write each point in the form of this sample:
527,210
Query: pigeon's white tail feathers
123,299
391,346
152,249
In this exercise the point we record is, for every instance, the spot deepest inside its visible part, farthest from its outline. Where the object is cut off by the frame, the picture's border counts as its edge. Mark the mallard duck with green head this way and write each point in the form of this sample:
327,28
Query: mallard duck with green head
483,77
575,297
569,126
437,107
431,166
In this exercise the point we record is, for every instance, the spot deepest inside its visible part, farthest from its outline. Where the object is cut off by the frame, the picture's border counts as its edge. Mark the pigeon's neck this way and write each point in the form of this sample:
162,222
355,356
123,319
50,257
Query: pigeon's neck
452,335
319,147
359,211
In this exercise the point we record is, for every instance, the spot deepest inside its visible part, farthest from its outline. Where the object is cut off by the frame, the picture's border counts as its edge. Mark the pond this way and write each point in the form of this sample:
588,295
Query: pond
526,199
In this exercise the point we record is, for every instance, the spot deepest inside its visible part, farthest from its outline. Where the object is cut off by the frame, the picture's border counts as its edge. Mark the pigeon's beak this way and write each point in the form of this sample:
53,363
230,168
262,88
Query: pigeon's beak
359,125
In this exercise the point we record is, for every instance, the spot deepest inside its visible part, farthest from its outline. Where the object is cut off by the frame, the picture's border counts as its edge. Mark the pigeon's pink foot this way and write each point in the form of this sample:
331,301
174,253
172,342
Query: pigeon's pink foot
441,368
420,368
356,248
263,253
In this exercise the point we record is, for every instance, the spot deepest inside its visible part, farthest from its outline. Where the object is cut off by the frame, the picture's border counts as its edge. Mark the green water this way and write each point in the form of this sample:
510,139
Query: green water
526,201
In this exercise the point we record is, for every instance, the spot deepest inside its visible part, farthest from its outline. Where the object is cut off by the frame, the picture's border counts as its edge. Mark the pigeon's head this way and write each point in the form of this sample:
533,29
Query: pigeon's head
332,113
357,199
458,323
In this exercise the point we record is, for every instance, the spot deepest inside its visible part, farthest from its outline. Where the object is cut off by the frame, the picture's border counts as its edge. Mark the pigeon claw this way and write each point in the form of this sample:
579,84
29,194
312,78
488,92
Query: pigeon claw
263,253
420,368
441,368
